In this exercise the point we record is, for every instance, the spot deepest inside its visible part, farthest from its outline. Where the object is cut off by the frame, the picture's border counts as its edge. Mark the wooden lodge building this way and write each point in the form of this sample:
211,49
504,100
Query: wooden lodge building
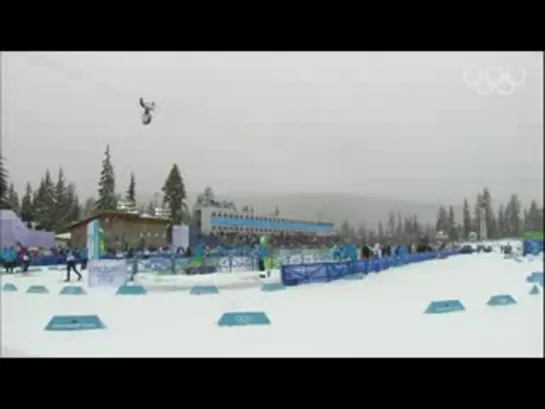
123,228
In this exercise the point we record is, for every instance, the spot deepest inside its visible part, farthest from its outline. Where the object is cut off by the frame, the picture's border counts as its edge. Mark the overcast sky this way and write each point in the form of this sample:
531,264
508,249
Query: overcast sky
393,125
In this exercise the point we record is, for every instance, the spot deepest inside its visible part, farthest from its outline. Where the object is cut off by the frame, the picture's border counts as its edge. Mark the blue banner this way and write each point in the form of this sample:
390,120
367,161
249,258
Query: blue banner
93,240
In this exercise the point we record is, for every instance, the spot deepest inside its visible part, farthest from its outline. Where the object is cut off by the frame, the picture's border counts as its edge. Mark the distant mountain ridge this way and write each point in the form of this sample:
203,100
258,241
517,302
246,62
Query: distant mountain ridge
337,207
331,207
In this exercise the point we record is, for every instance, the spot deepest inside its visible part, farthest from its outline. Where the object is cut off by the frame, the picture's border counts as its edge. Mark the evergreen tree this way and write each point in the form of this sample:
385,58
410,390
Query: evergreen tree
3,185
89,207
534,218
491,222
501,223
62,207
380,231
345,229
348,230
512,217
408,230
399,228
44,203
107,199
442,223
27,211
452,228
372,237
174,195
361,232
13,199
74,210
525,219
207,198
417,228
391,223
477,214
131,192
467,223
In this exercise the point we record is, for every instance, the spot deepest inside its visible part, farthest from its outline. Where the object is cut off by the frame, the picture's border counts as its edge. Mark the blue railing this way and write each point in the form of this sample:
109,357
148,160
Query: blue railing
174,263
296,274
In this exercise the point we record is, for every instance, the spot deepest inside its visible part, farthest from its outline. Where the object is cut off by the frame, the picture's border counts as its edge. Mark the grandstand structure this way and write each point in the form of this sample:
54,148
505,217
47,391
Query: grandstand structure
214,220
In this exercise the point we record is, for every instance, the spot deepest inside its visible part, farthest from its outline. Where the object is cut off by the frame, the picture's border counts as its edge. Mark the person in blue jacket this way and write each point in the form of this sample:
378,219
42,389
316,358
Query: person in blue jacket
197,262
84,258
336,253
350,252
9,255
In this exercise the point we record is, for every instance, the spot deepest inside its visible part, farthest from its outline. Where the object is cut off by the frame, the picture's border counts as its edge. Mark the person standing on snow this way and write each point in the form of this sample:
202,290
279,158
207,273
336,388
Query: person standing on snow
350,252
264,257
71,265
9,255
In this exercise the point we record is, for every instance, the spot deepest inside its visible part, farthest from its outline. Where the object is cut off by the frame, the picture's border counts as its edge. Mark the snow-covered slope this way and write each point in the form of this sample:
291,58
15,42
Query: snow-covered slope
381,315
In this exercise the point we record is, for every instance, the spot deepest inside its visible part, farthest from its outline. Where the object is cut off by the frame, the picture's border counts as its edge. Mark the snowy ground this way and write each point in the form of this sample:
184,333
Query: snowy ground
380,316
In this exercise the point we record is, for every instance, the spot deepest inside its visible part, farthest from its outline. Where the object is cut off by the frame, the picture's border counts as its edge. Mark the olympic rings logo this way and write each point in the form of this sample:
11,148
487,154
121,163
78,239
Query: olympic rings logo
243,319
496,79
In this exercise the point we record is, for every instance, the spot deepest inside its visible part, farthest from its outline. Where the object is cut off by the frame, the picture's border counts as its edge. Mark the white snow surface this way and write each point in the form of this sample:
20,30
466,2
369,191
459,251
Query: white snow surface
379,316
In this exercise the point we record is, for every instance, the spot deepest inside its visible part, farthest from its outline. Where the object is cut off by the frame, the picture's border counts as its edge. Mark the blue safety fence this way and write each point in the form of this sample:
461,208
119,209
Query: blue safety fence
296,274
175,263
218,261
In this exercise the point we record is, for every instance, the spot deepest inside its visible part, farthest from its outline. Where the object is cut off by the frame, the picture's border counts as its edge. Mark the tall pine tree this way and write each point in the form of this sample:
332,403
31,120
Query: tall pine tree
491,222
513,222
13,199
44,203
399,227
501,222
477,214
380,231
535,218
27,211
452,228
74,211
442,223
3,185
467,223
131,193
107,199
174,195
61,205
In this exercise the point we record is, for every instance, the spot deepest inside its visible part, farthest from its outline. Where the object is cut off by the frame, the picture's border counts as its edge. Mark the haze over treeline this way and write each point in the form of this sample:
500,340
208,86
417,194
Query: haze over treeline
55,203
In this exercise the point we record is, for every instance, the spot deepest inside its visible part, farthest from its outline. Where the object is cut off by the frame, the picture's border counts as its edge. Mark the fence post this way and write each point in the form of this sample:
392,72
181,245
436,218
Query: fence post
230,263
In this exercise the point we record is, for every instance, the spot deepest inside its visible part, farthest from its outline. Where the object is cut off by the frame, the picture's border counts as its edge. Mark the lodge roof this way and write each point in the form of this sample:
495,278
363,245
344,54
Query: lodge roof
126,215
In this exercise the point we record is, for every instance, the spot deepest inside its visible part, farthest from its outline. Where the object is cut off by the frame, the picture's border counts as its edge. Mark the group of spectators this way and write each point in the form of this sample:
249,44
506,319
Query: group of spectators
14,256
235,244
